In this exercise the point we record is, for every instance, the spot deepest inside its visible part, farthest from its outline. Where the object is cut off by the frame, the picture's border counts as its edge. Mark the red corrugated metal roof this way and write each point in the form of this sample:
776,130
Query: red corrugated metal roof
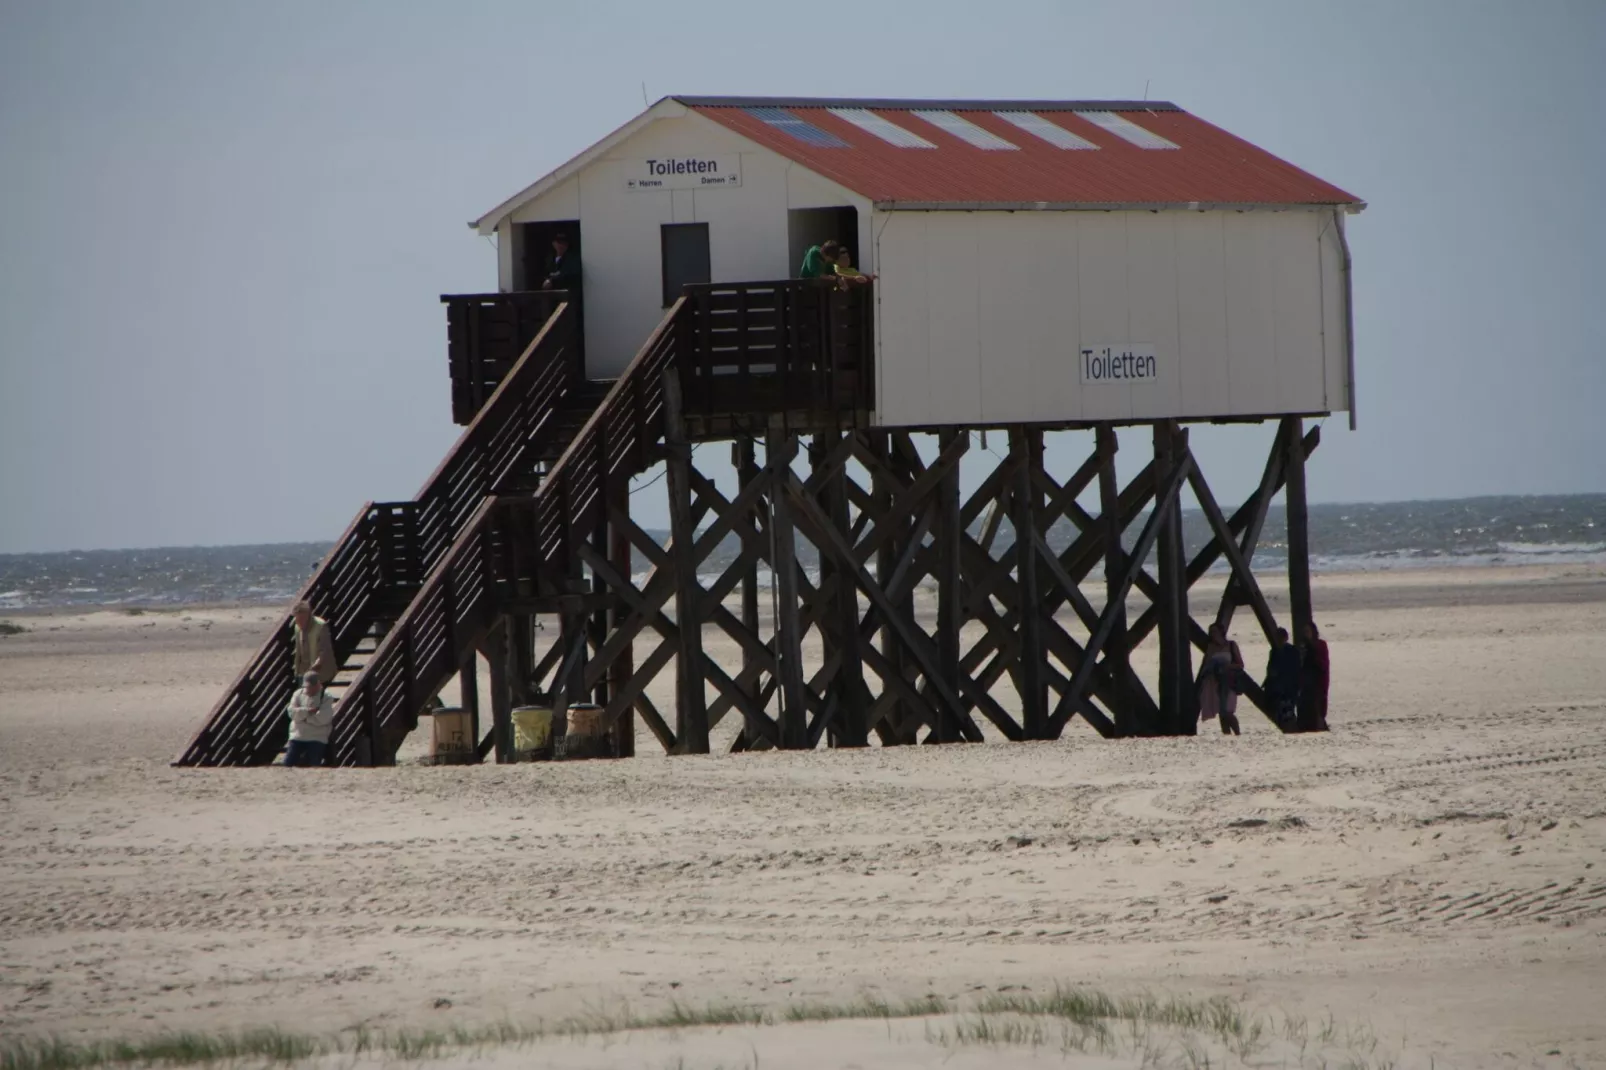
1208,167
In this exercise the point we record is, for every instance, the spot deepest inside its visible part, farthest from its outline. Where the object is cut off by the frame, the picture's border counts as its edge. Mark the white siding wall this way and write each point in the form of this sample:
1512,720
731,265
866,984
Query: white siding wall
620,236
982,314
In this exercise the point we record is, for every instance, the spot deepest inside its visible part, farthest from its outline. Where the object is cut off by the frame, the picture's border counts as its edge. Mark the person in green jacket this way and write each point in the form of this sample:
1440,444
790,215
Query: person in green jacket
820,261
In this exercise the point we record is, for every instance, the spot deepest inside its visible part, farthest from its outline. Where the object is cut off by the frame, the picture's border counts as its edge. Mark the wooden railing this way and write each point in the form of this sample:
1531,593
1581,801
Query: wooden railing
486,333
799,345
376,567
510,547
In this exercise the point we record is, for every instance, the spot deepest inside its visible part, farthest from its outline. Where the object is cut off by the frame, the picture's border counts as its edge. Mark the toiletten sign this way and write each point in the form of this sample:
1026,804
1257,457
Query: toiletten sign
683,172
1117,364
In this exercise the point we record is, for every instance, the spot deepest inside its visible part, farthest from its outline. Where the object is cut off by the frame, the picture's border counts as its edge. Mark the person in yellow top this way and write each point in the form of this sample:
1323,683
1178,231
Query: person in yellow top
314,646
845,269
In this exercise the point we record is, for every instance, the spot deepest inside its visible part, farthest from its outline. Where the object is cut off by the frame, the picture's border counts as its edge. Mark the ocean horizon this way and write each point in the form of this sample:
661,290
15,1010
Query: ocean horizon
1486,531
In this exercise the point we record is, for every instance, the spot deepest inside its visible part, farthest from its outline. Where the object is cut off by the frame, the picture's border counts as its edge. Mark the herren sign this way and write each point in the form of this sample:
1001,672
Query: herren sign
684,172
1118,362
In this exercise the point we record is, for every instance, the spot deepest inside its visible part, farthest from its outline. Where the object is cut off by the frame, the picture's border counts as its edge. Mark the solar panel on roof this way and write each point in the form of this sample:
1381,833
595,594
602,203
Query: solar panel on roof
1127,130
965,130
806,132
1053,133
881,127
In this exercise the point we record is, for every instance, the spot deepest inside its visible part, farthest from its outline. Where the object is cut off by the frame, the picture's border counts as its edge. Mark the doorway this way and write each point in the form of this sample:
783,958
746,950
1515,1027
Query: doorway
533,250
807,227
684,249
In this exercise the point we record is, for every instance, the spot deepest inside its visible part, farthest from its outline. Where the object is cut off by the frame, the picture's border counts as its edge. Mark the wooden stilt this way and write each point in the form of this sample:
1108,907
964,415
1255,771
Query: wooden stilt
620,669
691,709
1129,719
1176,677
850,726
746,475
779,448
950,597
468,686
497,654
1299,607
1026,446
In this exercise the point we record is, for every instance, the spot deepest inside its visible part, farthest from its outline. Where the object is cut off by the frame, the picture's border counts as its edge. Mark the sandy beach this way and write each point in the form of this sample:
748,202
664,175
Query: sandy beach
1431,874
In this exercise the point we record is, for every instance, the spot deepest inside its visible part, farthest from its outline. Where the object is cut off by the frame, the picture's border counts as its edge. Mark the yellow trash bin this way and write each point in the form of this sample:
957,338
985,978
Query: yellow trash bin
532,733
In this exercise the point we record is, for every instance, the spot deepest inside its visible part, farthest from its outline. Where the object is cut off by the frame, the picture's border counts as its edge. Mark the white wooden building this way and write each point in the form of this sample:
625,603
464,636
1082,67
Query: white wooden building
1037,261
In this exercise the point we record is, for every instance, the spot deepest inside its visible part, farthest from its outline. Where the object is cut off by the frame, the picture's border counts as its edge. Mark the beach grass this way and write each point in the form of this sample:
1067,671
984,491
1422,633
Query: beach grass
1153,1030
8,627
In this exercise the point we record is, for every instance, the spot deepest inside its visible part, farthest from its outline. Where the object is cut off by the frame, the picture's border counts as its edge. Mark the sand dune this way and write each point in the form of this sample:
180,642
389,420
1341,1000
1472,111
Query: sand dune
1435,868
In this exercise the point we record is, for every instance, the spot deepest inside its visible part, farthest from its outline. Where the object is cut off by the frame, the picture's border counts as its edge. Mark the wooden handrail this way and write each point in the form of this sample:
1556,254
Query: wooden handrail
357,583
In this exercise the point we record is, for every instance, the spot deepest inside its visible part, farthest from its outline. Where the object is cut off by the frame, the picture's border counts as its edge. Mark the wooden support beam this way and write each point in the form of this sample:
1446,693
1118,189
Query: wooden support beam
747,475
691,709
1241,574
1165,502
950,597
496,648
623,728
849,726
1130,718
468,686
779,449
1249,520
1027,446
1299,604
1177,713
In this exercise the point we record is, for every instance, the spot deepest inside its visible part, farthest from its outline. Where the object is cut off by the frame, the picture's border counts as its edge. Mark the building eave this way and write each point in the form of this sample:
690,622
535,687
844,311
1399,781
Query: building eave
1082,206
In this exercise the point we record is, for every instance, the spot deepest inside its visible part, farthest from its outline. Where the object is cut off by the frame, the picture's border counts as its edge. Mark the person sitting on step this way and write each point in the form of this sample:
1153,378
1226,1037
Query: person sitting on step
312,715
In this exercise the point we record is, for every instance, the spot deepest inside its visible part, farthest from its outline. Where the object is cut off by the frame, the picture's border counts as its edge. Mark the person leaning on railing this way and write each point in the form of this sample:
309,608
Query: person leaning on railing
846,270
314,646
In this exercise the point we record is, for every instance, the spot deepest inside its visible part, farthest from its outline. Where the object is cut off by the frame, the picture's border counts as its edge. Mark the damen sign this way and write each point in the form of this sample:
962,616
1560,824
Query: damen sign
684,172
1118,362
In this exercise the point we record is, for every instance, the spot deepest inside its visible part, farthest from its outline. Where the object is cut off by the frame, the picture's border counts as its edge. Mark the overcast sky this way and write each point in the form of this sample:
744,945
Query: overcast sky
224,227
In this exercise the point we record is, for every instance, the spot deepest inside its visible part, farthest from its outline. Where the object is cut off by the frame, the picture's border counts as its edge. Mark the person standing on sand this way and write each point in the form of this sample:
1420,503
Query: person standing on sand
314,646
1218,681
1314,672
1282,679
312,715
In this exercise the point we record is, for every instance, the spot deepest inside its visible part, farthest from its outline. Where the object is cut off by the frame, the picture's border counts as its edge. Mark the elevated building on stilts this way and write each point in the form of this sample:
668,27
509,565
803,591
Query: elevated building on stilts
1113,270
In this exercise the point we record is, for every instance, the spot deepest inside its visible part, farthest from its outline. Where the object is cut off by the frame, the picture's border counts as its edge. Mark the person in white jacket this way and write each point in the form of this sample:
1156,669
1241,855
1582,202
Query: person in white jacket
312,715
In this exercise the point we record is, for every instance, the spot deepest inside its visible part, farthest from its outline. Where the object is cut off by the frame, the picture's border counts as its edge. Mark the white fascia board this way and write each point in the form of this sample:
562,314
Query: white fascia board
667,108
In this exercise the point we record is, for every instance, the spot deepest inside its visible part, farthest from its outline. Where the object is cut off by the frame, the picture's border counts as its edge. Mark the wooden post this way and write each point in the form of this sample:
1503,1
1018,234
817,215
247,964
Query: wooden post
691,704
1027,447
950,531
1299,606
623,665
779,446
890,729
746,476
850,727
468,684
1176,659
497,651
1128,718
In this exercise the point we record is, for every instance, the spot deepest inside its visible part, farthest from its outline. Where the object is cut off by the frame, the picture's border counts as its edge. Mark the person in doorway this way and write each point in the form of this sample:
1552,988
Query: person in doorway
312,715
1282,680
1218,681
1313,679
562,267
314,645
820,261
844,267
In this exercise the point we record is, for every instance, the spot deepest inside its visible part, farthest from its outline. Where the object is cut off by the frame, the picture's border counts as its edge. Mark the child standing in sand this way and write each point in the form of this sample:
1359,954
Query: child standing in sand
312,715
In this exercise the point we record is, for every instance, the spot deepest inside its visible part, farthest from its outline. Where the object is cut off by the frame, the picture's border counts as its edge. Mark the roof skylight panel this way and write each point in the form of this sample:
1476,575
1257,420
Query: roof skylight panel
883,128
804,131
1127,130
965,130
1039,127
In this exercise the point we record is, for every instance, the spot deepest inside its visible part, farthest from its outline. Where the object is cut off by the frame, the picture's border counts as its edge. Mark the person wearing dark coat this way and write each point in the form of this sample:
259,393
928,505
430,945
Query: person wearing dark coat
562,267
1282,680
1313,679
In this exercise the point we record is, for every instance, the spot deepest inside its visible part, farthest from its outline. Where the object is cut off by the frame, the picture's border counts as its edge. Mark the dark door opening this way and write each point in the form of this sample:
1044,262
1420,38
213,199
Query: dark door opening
533,260
806,227
685,257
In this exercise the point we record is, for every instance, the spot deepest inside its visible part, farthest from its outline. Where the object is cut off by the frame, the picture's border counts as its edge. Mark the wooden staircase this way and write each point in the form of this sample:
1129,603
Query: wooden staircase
376,568
412,588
